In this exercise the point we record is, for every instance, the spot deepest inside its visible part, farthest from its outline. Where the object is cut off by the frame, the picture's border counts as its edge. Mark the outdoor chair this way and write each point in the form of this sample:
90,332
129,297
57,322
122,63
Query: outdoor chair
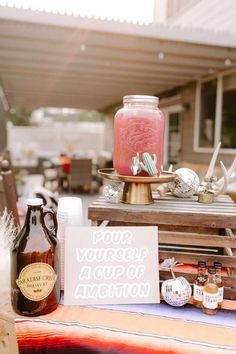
50,175
101,162
6,155
81,174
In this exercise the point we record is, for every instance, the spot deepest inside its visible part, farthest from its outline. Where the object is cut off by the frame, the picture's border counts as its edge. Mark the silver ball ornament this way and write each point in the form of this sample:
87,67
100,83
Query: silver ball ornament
113,192
176,292
185,184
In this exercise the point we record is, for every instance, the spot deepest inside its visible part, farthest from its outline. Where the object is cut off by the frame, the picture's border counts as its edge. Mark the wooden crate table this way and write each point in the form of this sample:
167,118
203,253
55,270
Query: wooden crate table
182,223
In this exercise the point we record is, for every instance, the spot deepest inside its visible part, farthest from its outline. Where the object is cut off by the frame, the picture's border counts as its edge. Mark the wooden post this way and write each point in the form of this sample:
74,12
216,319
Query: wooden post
9,189
3,127
2,196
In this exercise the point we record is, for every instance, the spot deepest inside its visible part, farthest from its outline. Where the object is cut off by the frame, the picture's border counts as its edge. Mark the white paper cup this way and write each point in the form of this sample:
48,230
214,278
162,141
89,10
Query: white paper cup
69,212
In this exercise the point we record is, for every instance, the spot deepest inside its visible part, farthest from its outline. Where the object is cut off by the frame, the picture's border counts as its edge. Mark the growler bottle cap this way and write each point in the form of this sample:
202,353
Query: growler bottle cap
34,201
217,265
201,264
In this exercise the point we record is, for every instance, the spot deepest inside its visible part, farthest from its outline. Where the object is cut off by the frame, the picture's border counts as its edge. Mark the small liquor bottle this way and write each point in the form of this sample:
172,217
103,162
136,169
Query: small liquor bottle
210,294
199,284
219,283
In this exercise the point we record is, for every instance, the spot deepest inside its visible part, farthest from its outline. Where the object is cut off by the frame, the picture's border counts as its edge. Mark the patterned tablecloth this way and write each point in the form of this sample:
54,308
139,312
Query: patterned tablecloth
127,329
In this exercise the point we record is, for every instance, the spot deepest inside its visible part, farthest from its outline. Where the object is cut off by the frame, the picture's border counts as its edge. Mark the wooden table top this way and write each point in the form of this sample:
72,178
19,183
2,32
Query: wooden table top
169,210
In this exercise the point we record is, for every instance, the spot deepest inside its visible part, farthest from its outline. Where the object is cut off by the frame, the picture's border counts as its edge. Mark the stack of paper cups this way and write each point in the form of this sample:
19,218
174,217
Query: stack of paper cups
69,212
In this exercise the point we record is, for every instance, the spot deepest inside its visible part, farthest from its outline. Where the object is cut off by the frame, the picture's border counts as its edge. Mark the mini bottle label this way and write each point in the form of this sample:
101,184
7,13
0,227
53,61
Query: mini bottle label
210,301
198,292
36,281
220,294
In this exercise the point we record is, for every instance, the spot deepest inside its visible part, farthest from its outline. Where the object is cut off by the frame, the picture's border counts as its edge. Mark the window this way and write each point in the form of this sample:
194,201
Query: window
174,140
215,116
207,115
228,125
173,134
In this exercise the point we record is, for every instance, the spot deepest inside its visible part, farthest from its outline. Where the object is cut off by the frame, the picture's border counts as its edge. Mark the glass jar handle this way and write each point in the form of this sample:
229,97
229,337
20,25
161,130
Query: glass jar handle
52,230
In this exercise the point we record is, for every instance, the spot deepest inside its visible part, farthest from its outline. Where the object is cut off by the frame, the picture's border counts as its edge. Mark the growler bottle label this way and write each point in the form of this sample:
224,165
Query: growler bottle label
36,281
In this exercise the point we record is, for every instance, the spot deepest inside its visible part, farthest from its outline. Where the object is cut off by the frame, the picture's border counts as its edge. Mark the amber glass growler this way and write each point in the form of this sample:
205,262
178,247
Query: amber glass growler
35,264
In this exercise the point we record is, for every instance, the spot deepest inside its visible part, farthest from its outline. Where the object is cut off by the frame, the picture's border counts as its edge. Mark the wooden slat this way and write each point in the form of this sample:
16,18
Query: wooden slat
230,293
194,239
188,238
168,204
162,217
221,214
220,203
223,198
228,281
194,258
173,228
176,207
229,305
232,235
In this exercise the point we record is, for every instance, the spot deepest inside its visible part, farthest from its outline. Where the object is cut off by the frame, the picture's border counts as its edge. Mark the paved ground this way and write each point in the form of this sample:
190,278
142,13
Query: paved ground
33,181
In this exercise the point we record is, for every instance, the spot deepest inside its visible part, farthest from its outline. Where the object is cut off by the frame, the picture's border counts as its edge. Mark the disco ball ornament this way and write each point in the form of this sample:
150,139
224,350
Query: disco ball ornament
176,292
113,192
185,184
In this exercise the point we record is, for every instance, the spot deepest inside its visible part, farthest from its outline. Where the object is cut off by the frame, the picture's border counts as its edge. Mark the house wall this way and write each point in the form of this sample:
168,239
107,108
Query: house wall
176,6
188,116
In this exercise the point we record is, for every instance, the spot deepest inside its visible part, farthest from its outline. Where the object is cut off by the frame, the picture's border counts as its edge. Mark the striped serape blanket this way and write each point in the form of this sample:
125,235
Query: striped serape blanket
127,330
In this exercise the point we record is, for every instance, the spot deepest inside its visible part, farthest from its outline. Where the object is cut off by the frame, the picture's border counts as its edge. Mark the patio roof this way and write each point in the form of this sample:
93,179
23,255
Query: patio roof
68,61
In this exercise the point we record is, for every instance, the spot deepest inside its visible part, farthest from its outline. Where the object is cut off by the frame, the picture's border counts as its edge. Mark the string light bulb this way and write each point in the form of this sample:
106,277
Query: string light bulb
228,62
160,56
83,47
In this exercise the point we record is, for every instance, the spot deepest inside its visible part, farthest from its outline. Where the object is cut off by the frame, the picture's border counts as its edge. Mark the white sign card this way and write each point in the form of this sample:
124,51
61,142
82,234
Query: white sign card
111,265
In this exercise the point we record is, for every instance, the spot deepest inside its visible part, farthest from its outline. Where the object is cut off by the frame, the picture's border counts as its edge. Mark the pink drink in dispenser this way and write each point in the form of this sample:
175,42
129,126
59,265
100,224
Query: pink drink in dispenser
138,128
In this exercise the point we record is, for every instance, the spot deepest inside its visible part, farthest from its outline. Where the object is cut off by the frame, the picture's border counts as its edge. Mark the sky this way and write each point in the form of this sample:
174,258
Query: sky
140,11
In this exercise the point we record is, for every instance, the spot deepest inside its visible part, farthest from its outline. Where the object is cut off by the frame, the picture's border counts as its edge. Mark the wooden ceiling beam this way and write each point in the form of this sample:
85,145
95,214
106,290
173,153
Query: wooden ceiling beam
38,102
108,51
71,35
106,89
73,55
140,69
85,91
12,75
78,101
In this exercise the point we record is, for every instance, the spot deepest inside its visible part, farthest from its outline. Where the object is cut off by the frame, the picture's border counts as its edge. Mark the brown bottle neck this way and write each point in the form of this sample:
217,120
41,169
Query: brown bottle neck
211,278
201,271
34,215
218,272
